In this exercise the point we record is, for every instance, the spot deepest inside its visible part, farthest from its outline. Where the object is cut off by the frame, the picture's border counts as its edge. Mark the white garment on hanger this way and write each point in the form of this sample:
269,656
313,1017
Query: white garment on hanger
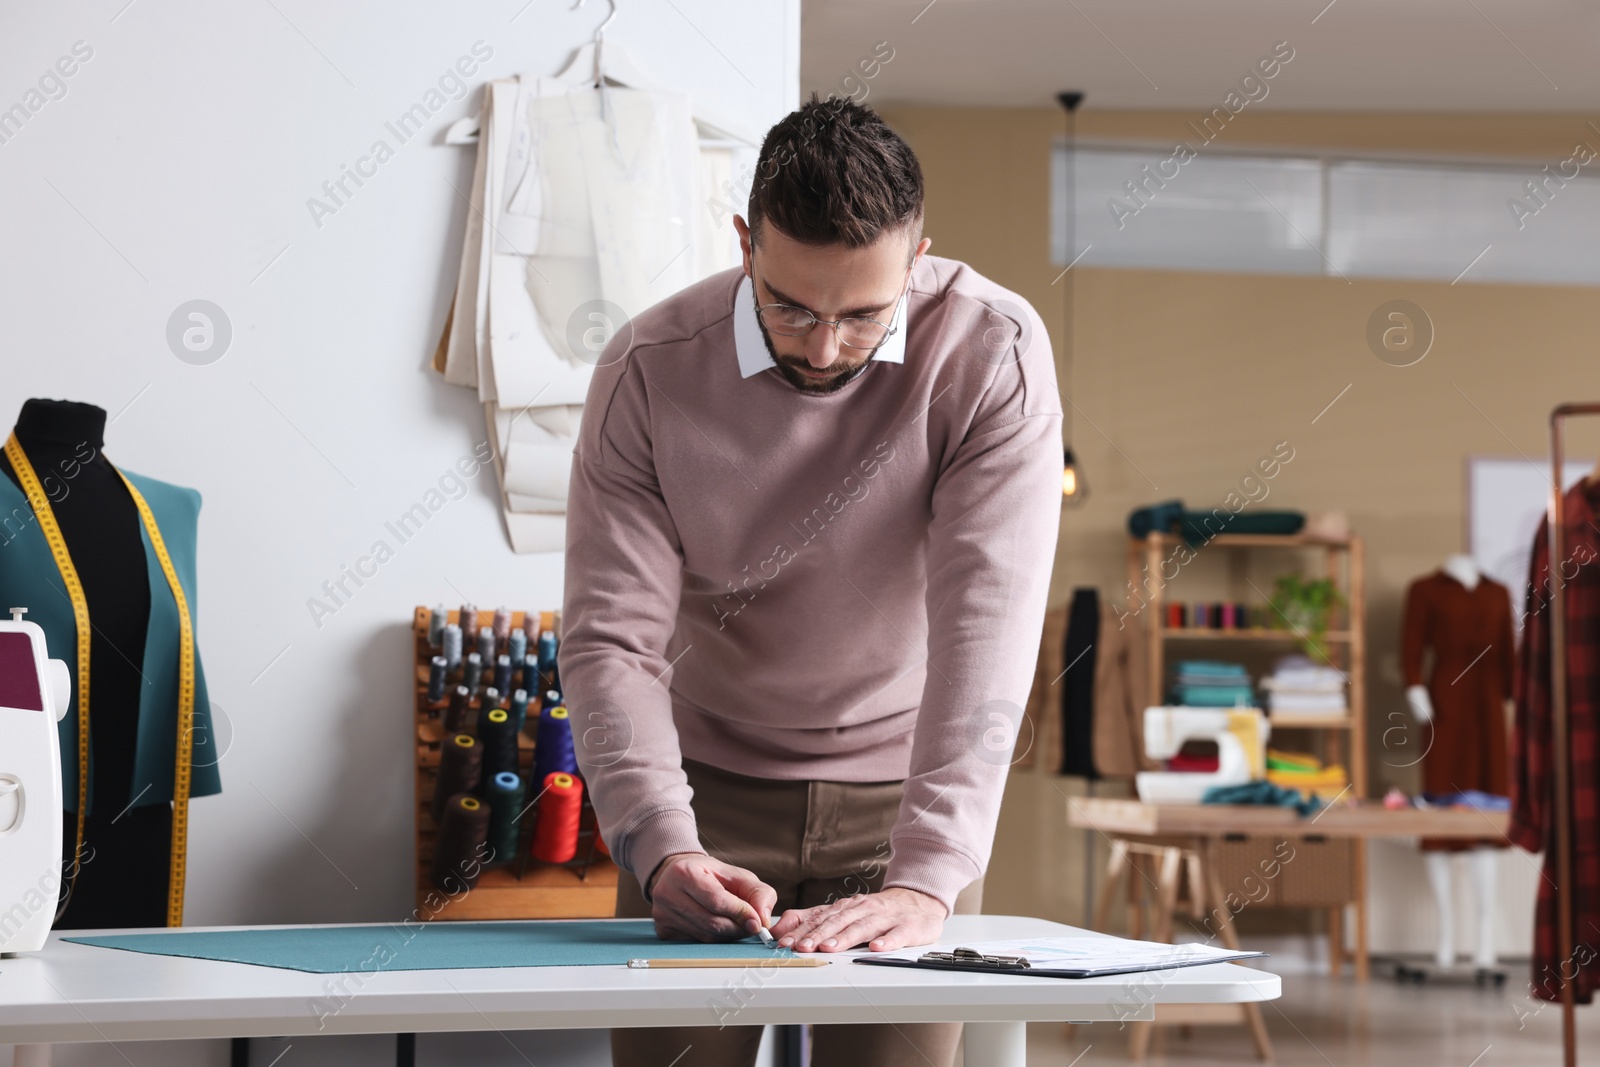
588,206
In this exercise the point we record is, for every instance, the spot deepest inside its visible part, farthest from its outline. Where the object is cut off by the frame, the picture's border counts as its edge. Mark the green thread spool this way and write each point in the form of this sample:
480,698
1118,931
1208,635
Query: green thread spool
505,816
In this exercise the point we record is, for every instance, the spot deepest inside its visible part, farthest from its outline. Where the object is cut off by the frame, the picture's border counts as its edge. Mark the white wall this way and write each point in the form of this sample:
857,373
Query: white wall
177,166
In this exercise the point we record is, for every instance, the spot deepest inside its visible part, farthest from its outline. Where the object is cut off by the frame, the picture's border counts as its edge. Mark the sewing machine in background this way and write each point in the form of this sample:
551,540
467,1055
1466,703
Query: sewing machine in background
34,691
1240,735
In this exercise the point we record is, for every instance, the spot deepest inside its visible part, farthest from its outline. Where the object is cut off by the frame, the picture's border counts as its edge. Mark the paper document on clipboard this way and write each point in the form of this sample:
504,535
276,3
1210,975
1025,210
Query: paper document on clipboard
1059,957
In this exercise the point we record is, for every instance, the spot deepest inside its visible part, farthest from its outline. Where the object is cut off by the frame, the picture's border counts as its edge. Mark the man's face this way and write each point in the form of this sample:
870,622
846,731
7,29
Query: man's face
831,282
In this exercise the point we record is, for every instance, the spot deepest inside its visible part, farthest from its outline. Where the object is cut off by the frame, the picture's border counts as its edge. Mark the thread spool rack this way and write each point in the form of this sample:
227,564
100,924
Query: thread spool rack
525,888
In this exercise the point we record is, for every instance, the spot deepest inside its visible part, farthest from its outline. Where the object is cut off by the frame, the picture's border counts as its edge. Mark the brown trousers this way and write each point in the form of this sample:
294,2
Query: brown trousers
813,842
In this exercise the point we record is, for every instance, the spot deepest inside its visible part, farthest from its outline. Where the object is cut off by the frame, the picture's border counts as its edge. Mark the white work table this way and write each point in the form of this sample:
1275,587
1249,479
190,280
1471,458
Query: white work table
70,992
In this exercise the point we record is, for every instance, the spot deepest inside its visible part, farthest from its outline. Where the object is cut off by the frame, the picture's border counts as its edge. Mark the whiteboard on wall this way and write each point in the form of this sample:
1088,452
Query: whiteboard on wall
1506,498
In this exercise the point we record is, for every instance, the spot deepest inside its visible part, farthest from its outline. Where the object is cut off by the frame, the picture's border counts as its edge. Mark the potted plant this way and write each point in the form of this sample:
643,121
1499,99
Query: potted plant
1305,606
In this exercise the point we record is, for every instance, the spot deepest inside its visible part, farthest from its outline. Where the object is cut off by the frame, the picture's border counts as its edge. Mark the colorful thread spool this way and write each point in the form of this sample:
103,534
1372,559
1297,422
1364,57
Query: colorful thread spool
472,673
498,737
456,715
1217,617
467,618
1175,616
530,674
460,768
555,836
505,816
552,747
436,672
1202,615
452,647
517,647
459,848
519,708
502,625
502,673
486,646
437,618
530,624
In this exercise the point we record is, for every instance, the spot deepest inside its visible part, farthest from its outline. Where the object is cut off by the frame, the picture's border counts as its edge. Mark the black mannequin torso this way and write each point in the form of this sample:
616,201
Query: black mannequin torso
123,881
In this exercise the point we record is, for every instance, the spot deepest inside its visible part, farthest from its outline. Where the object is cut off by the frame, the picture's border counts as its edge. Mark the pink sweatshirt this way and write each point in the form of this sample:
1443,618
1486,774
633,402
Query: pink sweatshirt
847,587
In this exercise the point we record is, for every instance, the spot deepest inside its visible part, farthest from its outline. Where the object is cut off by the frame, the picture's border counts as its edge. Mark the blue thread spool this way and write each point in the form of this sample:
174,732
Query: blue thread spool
436,672
552,750
548,647
519,708
505,815
452,647
530,674
436,623
472,674
502,674
517,647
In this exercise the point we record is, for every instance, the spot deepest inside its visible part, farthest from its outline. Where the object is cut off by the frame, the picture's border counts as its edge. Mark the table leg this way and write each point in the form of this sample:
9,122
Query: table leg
1108,885
996,1044
239,1052
1230,939
1336,940
405,1050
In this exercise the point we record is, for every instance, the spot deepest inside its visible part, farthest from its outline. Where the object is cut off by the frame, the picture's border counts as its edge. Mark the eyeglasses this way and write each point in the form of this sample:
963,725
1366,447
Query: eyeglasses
853,331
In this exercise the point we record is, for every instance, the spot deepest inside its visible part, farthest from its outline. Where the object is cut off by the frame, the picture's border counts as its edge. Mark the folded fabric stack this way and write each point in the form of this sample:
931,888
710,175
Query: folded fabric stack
1209,684
1298,770
1298,686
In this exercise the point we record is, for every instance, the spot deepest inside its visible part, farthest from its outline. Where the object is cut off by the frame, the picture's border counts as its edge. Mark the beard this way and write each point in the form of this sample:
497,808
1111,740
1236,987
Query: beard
793,368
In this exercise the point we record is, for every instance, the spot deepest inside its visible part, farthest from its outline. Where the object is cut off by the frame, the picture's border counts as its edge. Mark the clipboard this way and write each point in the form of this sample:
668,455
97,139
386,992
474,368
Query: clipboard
962,958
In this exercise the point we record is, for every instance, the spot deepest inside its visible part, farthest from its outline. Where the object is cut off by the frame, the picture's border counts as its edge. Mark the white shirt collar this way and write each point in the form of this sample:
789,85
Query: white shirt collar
752,348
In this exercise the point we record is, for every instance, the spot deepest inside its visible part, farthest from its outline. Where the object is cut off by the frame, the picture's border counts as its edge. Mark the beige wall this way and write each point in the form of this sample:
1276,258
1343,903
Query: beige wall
1180,381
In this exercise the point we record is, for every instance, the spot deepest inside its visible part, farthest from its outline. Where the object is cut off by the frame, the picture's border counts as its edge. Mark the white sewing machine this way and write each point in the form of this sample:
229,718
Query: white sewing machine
34,691
1241,739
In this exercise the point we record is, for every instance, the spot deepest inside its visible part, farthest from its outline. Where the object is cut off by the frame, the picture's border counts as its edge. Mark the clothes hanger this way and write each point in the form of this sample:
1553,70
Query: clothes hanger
598,63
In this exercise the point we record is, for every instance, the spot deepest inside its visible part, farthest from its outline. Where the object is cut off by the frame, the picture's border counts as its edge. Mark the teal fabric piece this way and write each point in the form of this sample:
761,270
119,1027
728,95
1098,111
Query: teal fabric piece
28,576
432,946
1215,696
1211,668
1264,793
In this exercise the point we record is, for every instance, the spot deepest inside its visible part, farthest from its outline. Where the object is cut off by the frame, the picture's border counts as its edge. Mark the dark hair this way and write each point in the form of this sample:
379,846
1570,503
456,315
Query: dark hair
833,172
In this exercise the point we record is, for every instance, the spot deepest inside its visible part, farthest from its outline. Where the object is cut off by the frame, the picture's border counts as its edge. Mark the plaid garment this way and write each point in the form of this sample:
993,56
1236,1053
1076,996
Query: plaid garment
1532,757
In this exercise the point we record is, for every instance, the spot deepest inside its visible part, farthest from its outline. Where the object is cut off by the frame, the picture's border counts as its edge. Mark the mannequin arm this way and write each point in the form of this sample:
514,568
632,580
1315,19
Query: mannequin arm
1421,703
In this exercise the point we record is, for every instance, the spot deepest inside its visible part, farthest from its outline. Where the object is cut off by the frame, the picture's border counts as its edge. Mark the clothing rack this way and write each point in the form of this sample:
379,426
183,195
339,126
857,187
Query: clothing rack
1560,725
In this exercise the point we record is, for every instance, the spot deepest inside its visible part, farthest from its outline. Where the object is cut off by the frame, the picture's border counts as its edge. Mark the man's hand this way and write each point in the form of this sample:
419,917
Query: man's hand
886,921
704,899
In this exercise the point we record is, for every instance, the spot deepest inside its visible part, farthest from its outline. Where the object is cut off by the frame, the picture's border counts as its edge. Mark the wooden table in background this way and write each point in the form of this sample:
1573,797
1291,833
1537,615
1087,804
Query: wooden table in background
1183,838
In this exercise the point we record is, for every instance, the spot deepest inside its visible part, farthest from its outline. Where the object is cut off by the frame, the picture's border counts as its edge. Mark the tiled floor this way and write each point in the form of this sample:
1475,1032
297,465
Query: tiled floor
1325,1022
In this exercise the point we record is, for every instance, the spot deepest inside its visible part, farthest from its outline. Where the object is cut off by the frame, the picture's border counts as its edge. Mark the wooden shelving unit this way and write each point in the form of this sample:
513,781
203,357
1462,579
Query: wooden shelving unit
580,890
1341,864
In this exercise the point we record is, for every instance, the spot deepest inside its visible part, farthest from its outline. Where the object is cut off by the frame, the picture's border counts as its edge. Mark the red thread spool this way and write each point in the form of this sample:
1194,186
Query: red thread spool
555,839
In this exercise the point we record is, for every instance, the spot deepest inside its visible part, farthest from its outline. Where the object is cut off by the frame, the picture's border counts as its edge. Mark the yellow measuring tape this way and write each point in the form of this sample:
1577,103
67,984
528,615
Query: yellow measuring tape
181,775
